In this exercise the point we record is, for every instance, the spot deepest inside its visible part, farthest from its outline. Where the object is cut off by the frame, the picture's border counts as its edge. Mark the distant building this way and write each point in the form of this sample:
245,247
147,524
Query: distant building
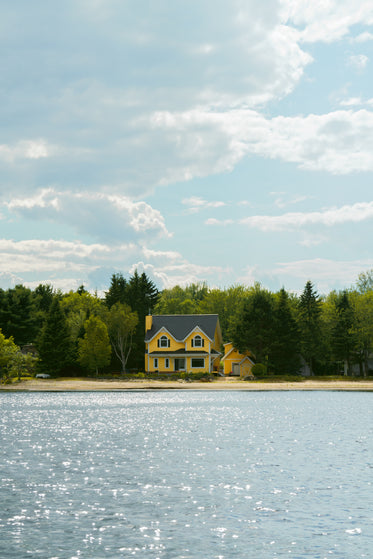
236,363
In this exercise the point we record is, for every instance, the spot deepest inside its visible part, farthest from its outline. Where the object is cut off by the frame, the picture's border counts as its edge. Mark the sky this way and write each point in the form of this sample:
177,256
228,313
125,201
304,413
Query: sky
214,141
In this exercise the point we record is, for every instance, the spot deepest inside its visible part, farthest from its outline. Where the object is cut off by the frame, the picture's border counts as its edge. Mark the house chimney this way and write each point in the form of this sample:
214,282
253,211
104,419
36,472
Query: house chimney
148,322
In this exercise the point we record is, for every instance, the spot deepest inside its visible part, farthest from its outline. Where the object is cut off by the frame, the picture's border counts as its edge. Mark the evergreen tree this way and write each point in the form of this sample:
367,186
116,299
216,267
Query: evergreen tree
343,339
255,329
286,345
142,296
94,349
18,315
310,325
117,292
54,345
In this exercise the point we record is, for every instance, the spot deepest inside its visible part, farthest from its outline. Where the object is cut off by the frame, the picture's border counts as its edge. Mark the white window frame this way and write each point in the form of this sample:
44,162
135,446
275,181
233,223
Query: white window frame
198,338
163,339
197,366
167,363
155,362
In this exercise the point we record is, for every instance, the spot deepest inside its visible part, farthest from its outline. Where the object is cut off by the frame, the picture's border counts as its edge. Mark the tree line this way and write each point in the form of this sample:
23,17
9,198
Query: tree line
47,331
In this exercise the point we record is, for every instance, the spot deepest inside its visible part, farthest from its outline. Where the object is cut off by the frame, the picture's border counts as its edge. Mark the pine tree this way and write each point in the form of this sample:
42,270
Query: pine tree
142,296
310,325
254,331
18,316
117,292
343,339
286,344
54,345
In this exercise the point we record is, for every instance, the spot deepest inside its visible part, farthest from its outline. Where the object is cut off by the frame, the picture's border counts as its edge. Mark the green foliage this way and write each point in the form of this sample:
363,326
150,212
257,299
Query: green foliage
142,296
54,345
343,338
255,330
117,292
18,315
362,327
309,322
330,331
227,304
259,370
365,282
14,363
285,350
181,300
122,323
94,349
78,307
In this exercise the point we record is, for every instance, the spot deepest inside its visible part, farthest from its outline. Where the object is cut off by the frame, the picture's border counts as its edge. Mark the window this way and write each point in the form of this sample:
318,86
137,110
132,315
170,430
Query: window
163,342
198,363
167,363
156,363
197,341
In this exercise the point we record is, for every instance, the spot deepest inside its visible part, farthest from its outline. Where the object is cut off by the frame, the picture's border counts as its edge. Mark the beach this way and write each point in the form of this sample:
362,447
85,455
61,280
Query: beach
88,384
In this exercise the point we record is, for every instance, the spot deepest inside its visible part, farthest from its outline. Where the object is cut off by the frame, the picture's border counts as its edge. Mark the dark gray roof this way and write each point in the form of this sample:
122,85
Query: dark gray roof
180,325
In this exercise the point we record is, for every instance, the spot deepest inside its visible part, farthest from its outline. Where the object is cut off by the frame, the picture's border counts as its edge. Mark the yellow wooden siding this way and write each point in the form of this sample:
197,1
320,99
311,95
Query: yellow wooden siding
150,368
174,346
188,342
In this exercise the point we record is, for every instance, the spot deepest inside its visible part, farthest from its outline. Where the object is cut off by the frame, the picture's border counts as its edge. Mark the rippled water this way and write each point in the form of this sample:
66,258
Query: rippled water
186,474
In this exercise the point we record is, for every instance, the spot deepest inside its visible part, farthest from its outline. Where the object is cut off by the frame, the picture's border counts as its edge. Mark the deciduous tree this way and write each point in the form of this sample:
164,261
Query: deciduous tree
94,349
122,324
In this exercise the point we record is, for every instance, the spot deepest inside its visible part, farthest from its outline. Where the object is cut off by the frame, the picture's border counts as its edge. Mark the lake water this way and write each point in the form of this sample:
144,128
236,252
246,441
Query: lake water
186,474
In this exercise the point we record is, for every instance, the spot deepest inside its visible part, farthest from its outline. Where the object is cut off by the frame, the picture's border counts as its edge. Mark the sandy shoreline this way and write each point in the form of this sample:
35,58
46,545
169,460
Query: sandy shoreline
76,385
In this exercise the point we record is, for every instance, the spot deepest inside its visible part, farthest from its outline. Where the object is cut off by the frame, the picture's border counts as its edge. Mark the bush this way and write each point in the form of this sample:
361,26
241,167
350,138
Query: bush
259,370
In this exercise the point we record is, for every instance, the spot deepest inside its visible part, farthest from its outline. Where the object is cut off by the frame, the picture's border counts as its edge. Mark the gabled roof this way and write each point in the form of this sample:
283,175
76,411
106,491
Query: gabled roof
181,325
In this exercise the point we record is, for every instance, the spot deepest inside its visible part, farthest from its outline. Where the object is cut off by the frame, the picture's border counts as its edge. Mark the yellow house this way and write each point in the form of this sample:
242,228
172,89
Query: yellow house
182,342
236,363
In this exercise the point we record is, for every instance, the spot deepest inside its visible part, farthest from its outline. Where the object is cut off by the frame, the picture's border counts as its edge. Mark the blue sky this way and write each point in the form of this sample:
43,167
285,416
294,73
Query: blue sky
226,142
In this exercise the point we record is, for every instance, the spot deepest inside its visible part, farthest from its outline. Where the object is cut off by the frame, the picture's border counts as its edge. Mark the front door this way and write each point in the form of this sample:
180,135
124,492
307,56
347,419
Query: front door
236,369
179,364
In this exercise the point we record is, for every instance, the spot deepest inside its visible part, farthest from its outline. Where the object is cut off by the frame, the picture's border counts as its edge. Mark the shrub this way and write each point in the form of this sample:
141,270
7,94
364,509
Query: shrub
259,370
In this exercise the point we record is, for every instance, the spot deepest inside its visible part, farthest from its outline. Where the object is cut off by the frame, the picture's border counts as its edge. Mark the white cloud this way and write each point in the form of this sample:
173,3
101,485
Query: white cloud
363,37
327,20
222,222
358,61
196,204
281,201
66,264
26,149
98,214
327,273
339,142
312,240
351,102
355,213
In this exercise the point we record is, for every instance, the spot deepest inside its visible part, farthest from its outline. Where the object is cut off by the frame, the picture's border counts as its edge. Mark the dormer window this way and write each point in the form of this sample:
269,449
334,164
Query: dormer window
163,342
198,341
